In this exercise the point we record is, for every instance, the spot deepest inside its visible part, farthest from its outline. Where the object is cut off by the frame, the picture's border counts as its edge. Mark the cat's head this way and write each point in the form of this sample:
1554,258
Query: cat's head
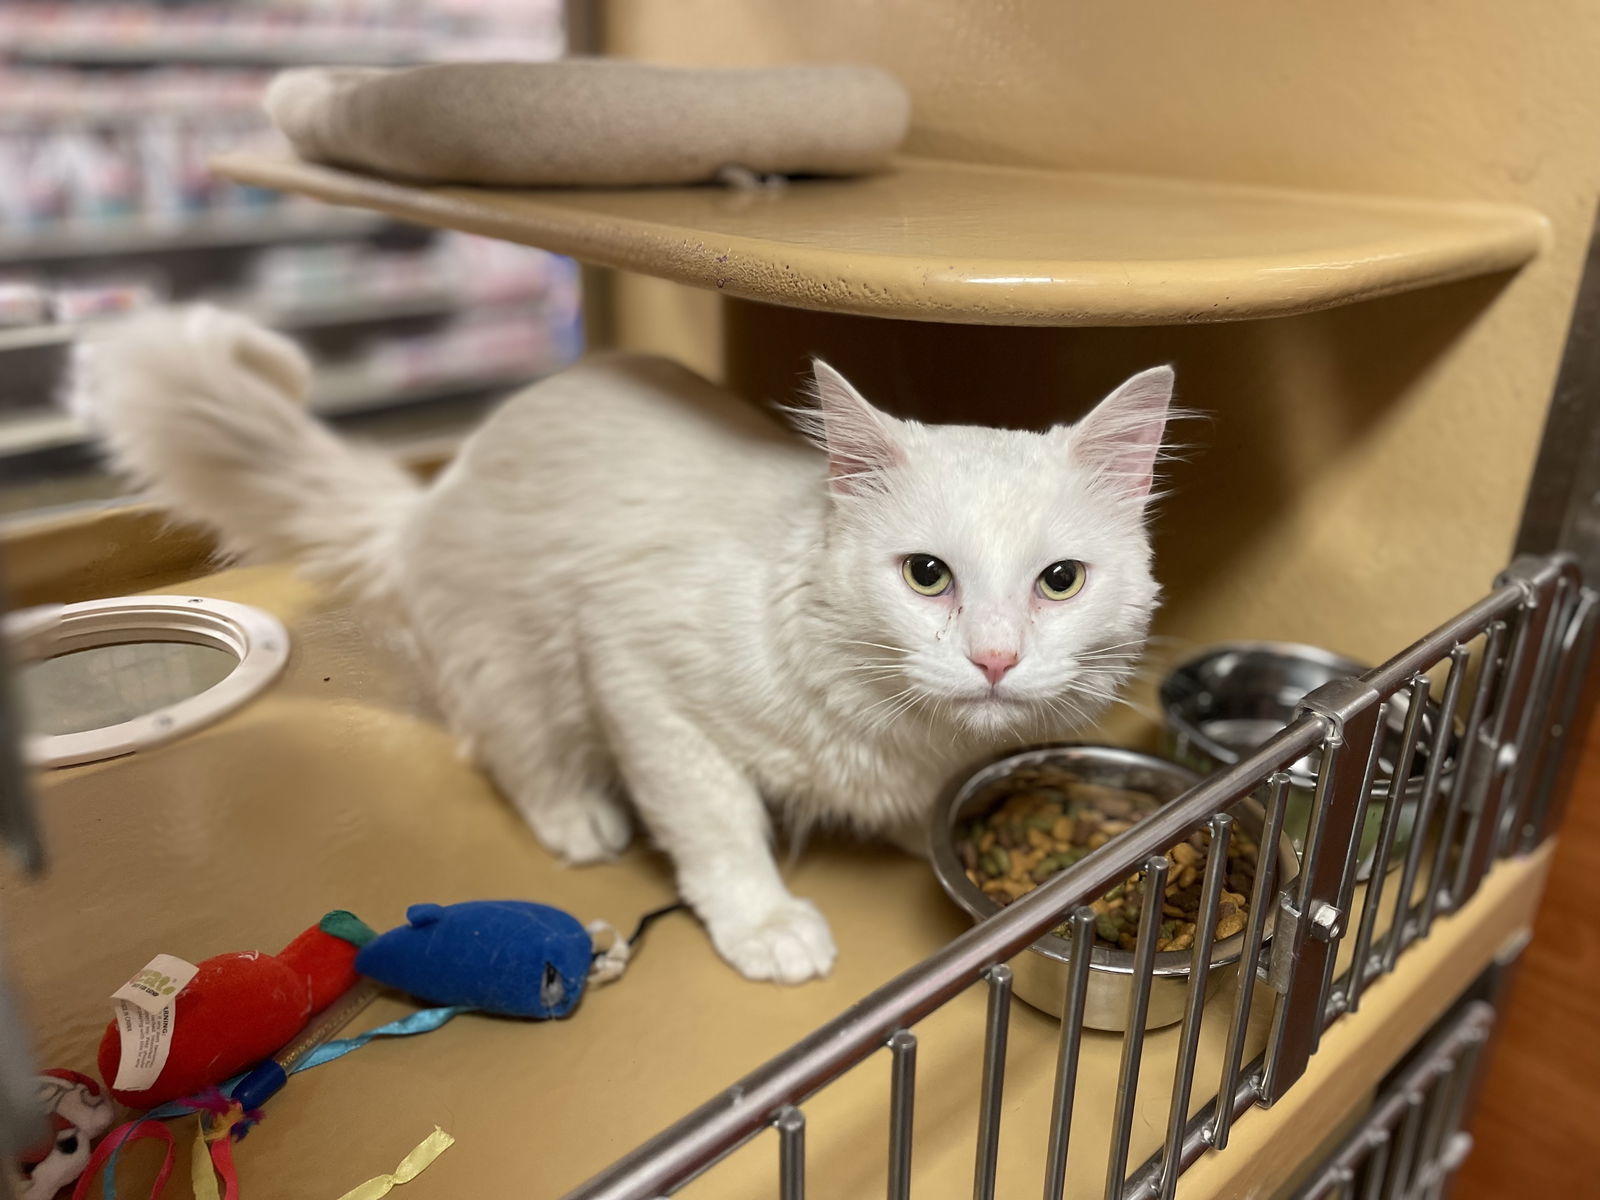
997,579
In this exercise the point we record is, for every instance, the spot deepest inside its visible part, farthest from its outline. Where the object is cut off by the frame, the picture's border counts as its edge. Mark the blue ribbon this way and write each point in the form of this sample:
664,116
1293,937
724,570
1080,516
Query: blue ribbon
423,1021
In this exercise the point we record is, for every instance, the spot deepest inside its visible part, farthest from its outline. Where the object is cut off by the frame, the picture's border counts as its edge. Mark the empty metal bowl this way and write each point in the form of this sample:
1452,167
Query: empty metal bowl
1040,972
1227,701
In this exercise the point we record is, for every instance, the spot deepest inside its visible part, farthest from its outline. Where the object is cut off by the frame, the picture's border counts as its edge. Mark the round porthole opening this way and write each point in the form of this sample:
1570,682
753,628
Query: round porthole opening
110,677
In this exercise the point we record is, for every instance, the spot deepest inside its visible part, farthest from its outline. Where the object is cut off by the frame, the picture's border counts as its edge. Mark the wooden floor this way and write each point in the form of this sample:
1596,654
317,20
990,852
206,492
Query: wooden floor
1537,1127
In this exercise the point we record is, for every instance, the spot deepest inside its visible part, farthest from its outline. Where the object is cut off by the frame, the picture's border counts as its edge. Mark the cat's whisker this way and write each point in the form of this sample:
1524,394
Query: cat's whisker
1137,706
1107,685
1109,697
874,670
1120,650
1071,714
1097,693
893,708
872,645
886,700
1052,711
1109,667
918,698
1125,666
905,700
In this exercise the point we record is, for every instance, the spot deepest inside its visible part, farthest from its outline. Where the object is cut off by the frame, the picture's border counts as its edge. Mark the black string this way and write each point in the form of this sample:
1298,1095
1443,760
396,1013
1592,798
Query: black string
649,919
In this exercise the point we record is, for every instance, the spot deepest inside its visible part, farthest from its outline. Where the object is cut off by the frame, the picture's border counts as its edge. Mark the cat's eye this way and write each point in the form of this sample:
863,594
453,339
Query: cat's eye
1062,580
926,574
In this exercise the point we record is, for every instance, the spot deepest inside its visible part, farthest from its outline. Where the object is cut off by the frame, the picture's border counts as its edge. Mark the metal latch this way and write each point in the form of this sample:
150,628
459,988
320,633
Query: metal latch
1325,924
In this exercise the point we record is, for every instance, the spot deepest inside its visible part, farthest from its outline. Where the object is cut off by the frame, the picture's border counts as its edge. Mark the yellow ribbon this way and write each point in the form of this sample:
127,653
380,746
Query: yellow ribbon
205,1179
412,1165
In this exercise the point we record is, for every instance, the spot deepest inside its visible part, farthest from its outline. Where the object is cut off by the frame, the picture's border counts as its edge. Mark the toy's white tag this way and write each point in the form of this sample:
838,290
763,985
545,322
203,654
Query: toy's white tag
155,986
144,1012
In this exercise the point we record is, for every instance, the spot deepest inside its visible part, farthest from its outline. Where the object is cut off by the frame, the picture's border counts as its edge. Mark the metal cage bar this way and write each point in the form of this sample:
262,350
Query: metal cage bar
902,1102
1401,932
1199,967
1513,708
1395,804
993,1089
1081,937
791,1124
1260,905
1468,771
1144,960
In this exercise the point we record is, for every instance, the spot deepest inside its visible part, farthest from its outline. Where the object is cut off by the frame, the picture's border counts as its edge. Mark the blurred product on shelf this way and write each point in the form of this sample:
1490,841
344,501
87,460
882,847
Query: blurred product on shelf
123,147
331,31
100,298
471,269
483,345
300,283
23,302
26,302
109,113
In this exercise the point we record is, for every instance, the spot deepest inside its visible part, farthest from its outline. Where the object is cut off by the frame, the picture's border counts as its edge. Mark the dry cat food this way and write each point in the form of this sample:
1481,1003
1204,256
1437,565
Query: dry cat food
1039,830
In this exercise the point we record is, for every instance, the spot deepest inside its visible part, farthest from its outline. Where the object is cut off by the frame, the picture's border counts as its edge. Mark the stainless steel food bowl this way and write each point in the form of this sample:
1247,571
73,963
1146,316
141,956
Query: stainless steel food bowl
1225,702
1040,972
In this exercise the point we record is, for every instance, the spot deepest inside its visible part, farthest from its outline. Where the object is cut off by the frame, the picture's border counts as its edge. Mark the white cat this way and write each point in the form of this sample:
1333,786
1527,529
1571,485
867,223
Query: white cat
632,584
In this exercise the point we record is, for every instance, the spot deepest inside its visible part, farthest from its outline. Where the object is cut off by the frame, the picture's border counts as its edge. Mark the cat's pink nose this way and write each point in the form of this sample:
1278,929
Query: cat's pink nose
994,664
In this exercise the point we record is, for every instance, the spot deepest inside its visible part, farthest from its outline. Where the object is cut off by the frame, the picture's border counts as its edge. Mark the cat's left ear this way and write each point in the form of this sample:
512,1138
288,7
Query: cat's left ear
1121,436
860,441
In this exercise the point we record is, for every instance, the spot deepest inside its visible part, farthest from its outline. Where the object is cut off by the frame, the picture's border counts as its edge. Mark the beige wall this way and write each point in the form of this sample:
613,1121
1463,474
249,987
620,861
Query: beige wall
1359,473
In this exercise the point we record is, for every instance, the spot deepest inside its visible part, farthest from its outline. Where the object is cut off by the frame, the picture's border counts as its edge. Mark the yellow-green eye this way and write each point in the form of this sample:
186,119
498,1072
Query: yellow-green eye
926,574
1062,580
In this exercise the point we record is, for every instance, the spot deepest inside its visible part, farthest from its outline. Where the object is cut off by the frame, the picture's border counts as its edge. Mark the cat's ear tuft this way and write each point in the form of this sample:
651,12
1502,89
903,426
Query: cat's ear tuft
1120,439
859,440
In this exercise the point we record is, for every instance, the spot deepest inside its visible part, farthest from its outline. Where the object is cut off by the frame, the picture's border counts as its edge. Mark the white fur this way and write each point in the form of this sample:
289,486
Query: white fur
630,583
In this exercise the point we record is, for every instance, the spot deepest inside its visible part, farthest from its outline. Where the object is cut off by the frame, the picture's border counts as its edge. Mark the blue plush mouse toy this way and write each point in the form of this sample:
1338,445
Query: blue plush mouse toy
510,957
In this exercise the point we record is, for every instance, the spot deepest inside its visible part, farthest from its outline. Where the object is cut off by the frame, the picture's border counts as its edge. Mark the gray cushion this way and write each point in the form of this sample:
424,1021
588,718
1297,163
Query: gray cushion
596,122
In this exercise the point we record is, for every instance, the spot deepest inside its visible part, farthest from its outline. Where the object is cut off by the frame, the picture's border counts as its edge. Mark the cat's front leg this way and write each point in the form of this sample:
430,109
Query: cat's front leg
709,818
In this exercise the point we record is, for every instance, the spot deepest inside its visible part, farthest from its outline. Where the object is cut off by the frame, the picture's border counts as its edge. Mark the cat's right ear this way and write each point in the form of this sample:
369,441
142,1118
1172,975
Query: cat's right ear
1120,439
859,440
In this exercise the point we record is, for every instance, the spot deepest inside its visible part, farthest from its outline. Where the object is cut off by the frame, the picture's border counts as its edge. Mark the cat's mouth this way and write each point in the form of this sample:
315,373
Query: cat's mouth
991,702
990,697
991,714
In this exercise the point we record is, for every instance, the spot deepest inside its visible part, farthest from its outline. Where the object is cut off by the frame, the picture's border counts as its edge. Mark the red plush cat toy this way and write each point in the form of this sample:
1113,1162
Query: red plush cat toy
241,1008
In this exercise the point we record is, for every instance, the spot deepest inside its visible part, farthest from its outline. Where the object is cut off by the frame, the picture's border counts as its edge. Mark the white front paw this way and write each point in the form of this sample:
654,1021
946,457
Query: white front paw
789,943
582,828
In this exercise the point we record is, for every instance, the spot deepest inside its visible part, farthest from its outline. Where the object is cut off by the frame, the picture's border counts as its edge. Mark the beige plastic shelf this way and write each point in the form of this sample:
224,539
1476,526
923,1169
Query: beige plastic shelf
337,789
969,244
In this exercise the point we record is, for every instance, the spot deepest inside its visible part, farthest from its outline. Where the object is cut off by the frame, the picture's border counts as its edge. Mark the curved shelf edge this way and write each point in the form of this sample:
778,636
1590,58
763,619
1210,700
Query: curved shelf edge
964,244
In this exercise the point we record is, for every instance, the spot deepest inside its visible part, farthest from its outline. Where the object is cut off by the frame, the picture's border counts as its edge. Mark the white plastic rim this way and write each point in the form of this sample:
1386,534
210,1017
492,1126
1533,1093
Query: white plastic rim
256,639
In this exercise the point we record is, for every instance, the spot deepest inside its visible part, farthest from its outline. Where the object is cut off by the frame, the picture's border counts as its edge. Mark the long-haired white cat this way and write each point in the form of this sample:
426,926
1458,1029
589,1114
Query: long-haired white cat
637,595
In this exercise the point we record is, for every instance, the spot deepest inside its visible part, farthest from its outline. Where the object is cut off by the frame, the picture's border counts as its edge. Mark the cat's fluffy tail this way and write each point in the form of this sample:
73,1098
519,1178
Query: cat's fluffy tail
207,411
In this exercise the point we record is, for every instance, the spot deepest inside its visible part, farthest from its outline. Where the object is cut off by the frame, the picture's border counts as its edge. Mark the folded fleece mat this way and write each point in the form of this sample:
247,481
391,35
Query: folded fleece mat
591,122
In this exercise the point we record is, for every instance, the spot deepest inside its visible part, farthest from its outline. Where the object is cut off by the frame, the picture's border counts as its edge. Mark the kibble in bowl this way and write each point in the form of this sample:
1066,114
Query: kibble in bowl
1035,832
1017,822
